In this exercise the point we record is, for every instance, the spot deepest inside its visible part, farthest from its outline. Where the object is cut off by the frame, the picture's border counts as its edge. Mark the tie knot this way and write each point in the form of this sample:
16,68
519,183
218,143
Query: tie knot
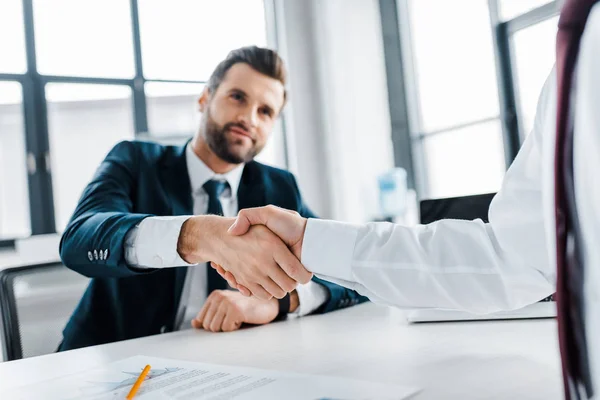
215,188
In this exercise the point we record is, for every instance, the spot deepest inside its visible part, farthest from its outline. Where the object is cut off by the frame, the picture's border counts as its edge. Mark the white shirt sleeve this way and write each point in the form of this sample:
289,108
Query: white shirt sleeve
153,243
310,296
450,264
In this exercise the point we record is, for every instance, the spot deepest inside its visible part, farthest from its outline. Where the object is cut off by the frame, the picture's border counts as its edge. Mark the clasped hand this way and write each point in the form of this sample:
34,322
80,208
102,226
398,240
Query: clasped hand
258,253
288,225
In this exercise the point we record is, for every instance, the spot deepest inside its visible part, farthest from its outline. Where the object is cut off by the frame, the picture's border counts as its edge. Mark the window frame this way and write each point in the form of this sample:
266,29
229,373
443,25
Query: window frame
404,108
37,147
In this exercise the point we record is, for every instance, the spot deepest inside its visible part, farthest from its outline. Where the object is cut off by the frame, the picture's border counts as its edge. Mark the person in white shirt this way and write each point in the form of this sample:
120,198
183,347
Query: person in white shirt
142,232
505,264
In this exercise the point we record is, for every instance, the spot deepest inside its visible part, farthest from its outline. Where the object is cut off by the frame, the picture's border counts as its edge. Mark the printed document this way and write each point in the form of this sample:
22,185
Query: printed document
183,380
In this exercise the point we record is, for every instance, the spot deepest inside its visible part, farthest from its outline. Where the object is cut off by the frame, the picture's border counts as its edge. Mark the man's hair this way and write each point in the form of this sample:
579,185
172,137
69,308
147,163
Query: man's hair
265,61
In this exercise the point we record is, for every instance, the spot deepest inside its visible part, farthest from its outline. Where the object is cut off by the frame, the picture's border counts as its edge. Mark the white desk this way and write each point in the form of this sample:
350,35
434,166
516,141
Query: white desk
474,360
32,250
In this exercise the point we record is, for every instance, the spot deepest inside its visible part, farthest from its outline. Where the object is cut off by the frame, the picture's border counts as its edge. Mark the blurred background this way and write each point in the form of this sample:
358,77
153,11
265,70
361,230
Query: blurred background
390,102
445,90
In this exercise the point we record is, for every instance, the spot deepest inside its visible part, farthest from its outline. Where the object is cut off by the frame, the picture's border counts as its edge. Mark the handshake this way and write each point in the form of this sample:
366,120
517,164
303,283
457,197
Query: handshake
258,252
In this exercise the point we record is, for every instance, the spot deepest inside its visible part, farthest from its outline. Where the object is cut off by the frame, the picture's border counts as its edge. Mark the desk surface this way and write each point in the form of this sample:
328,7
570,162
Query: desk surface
32,250
469,360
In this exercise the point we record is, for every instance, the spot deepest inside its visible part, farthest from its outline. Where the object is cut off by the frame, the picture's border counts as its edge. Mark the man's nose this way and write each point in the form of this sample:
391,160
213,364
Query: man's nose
249,117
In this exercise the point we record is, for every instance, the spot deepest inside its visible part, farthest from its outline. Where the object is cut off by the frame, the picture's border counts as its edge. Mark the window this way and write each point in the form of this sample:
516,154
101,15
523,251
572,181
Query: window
85,122
173,108
465,161
195,35
11,26
531,68
454,62
84,38
512,8
103,71
456,89
14,195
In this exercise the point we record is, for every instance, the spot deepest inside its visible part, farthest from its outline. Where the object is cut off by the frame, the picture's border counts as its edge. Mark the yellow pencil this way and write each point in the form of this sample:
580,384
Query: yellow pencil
138,383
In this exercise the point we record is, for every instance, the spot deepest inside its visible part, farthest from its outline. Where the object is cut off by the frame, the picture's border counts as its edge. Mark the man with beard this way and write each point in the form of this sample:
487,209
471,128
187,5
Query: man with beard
153,216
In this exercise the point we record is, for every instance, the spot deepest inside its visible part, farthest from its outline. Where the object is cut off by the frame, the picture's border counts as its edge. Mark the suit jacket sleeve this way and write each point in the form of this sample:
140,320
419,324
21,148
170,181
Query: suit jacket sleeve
339,296
103,217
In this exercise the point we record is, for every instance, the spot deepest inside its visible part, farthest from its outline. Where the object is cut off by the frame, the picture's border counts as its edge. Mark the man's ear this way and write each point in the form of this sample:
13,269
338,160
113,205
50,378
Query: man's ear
203,100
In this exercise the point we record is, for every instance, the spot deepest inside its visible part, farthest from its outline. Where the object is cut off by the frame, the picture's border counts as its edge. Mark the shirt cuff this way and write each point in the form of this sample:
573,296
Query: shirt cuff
310,297
328,248
153,243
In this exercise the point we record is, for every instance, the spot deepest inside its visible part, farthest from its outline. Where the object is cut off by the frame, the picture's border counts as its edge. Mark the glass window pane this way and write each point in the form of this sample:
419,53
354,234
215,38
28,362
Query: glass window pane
465,161
510,9
14,192
195,35
84,38
12,44
532,67
85,121
454,62
173,108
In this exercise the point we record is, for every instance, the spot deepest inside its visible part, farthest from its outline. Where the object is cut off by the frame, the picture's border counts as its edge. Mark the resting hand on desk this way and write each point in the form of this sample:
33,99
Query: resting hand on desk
226,311
286,224
260,260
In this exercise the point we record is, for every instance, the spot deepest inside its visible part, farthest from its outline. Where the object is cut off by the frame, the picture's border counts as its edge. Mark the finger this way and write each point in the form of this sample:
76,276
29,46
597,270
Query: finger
217,322
244,290
248,217
260,292
210,313
230,279
231,322
221,270
228,276
196,324
273,288
201,315
281,279
218,268
291,265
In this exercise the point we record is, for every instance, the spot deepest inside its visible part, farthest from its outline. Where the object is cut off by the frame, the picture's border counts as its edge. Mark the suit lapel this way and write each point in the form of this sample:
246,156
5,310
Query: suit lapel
176,181
251,192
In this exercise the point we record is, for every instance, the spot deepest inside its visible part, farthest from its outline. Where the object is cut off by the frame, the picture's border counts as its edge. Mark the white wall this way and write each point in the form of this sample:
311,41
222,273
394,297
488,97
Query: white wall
338,98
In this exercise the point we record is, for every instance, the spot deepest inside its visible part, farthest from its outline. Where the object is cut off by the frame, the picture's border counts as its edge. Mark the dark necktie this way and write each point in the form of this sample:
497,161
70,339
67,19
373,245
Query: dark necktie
215,189
569,260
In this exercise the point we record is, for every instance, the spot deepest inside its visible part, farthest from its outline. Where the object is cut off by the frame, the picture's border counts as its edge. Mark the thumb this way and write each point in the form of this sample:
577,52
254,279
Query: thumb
246,218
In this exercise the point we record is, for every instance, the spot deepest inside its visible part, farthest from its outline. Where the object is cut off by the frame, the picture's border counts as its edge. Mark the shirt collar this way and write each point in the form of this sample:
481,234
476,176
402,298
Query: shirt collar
200,173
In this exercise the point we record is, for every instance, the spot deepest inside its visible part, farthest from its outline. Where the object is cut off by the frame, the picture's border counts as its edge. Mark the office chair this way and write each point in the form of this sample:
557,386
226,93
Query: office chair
36,302
464,207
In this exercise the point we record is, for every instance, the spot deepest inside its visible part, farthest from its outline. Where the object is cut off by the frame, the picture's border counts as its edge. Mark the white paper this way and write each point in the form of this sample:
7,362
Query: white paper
182,380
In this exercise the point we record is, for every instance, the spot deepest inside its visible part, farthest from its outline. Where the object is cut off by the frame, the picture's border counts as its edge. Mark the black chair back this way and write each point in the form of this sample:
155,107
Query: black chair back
36,302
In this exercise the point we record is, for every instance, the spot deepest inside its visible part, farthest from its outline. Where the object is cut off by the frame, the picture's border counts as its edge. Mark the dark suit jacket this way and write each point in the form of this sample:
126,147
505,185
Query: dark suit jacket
137,180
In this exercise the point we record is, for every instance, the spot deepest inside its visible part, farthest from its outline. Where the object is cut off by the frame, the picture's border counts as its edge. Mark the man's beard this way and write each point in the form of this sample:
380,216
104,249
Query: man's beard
216,138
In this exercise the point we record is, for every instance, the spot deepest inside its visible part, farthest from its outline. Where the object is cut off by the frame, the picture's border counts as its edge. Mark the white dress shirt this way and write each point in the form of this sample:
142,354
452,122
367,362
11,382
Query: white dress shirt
453,264
478,267
153,244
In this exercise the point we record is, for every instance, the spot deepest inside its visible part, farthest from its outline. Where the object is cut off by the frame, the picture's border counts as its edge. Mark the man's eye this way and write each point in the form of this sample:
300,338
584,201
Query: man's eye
266,112
236,96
